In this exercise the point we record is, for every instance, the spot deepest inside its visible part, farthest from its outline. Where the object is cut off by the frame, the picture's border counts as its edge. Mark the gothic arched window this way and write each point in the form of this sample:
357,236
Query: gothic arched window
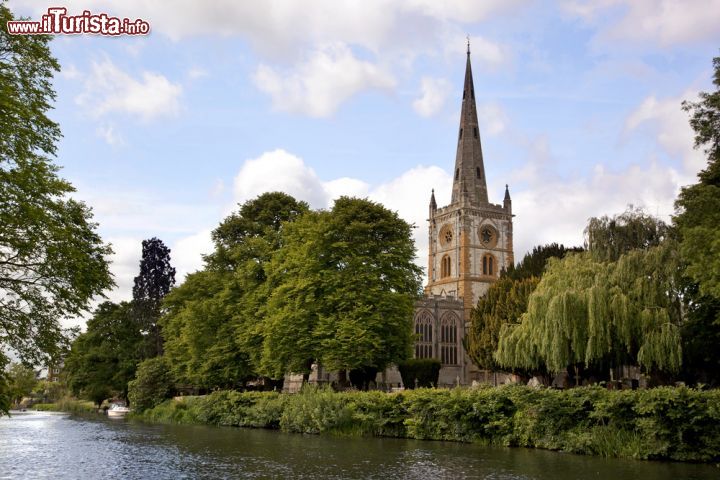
448,339
423,334
445,265
488,265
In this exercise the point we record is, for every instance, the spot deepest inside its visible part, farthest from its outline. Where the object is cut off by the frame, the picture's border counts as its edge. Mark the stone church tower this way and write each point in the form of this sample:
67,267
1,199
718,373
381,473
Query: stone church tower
470,239
470,242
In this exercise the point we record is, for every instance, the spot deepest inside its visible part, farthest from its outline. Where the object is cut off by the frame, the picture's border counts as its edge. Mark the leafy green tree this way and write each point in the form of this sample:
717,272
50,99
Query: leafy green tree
698,206
49,392
103,360
52,261
154,281
247,234
342,289
212,327
152,385
697,221
22,381
201,341
608,238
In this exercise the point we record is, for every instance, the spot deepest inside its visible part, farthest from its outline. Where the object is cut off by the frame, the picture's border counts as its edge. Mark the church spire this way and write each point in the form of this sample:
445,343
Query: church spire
433,204
469,176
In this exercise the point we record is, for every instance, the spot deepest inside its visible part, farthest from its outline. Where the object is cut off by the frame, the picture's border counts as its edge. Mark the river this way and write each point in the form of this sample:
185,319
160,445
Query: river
37,445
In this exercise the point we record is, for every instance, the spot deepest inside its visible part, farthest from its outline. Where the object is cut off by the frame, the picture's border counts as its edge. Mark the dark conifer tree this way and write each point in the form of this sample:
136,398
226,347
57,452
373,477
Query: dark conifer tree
155,280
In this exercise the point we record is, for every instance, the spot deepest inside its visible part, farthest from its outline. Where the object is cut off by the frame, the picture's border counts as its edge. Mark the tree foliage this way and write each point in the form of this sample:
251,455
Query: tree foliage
212,327
52,261
586,312
342,289
201,334
533,263
701,337
505,302
697,221
22,380
152,385
608,238
103,360
154,281
616,304
246,234
698,206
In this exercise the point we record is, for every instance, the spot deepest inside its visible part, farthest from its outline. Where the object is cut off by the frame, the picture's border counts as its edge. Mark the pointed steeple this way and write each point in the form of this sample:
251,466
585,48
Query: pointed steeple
507,203
433,203
469,175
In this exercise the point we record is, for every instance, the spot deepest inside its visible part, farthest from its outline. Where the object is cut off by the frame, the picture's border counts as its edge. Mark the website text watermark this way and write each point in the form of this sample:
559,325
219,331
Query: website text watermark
58,22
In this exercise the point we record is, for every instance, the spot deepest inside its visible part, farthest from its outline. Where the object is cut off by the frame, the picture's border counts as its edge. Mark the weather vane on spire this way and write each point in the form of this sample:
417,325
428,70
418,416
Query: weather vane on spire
468,44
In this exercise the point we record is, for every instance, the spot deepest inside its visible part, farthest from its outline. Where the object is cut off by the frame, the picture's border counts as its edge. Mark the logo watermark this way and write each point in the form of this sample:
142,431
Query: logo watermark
58,22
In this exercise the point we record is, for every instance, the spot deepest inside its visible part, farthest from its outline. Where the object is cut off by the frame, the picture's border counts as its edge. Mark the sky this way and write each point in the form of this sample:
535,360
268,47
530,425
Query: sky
579,107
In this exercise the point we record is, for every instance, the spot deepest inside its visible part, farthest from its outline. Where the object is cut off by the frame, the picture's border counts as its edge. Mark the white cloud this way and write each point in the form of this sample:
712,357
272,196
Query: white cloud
280,26
463,10
279,170
124,265
405,194
186,253
322,82
350,187
554,208
665,119
657,22
108,89
434,93
409,195
557,210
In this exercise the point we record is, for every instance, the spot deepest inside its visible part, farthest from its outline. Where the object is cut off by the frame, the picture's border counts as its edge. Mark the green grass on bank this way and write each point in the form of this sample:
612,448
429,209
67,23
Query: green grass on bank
66,405
662,423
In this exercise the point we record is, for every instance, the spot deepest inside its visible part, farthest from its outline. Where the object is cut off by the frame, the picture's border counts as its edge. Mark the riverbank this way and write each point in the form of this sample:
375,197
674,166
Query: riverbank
66,405
666,423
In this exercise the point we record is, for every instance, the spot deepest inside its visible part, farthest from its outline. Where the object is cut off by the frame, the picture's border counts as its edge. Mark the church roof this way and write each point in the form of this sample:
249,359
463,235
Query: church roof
469,175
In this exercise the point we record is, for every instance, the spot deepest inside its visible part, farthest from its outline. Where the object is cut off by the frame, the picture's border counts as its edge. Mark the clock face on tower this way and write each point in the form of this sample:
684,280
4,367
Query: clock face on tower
488,236
446,235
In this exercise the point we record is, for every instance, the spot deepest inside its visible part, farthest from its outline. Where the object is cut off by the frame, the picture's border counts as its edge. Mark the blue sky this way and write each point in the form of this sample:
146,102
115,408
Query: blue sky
579,110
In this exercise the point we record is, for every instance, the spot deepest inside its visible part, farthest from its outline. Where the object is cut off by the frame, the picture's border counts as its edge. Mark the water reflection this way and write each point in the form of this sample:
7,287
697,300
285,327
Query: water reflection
45,445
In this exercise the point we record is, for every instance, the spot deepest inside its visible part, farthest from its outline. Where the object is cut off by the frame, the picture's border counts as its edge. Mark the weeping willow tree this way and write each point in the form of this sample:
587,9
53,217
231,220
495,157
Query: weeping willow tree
588,312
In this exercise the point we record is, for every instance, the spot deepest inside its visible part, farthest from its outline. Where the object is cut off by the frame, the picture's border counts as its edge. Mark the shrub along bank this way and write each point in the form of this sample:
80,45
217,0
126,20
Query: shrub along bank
661,423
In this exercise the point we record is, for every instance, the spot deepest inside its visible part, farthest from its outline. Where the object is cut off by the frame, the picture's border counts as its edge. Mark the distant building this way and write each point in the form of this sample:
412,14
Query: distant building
470,242
54,369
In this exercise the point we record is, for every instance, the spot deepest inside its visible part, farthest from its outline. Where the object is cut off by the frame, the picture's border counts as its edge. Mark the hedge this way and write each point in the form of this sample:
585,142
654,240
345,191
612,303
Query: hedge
662,423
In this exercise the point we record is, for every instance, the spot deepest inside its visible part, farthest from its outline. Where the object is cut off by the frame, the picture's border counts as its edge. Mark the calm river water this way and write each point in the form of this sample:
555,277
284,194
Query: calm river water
38,445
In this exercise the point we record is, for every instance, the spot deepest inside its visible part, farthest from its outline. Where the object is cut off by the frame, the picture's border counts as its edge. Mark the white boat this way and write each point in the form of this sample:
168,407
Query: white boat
117,410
